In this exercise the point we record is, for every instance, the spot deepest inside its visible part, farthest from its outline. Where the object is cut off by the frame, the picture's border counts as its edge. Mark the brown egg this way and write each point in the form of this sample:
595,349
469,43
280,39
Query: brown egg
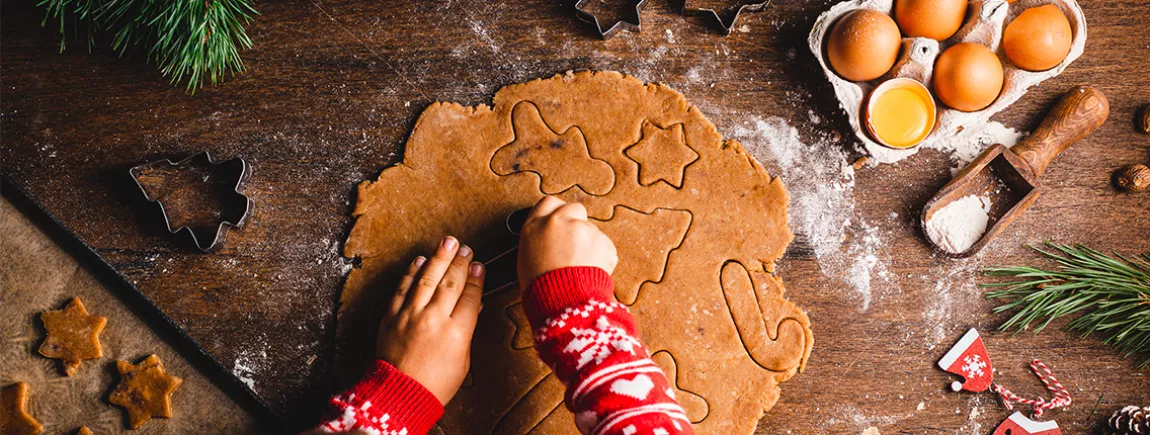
1038,38
863,45
934,19
967,77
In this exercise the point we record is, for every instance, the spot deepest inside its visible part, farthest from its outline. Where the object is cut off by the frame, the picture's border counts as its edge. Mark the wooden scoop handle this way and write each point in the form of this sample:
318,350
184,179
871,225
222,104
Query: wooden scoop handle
1077,114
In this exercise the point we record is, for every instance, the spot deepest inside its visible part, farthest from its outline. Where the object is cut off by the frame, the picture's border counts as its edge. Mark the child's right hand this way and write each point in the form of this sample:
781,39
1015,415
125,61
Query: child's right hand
558,235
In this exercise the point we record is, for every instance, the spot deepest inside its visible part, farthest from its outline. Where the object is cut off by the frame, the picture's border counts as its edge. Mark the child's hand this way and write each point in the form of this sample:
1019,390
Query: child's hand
427,333
558,235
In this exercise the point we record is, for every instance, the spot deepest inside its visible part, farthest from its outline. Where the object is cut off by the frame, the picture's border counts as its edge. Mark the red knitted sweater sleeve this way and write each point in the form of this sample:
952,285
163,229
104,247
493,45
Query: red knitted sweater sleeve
386,401
587,338
590,341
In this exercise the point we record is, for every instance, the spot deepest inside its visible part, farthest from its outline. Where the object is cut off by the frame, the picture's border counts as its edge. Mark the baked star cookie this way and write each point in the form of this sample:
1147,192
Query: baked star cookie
14,420
145,390
73,335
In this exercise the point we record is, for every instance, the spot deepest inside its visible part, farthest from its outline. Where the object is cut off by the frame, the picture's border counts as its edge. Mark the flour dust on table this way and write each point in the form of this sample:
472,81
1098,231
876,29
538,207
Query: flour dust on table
822,209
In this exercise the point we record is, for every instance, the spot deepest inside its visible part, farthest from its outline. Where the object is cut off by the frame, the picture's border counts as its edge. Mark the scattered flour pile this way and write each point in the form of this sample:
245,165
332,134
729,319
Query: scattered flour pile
821,185
965,146
248,365
954,300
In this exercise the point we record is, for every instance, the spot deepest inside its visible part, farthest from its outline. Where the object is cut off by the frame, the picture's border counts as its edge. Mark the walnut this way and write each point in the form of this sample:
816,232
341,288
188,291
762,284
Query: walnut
1132,178
1144,120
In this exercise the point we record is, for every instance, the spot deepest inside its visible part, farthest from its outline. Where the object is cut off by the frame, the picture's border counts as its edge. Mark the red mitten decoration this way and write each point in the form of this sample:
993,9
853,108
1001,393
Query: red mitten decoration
1018,424
968,358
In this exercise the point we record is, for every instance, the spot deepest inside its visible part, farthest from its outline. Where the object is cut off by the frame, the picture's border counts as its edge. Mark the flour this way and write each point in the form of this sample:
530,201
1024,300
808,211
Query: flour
954,299
958,225
968,144
244,374
821,213
247,367
250,363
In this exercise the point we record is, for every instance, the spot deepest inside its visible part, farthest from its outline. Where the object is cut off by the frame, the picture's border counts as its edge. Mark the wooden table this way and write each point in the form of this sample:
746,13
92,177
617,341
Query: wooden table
333,88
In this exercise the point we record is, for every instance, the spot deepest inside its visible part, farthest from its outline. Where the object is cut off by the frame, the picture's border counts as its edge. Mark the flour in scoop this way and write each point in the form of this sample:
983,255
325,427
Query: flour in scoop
958,225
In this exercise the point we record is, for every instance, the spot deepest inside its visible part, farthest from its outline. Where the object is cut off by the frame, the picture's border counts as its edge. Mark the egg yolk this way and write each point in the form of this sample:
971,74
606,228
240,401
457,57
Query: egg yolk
900,117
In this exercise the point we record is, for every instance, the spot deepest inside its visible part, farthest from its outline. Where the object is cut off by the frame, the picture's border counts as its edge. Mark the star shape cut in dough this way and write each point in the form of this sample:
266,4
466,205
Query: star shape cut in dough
13,418
145,390
662,154
73,335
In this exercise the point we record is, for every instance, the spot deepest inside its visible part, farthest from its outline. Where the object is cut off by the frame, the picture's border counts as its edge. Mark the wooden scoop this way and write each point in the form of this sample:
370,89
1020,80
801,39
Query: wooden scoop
1008,177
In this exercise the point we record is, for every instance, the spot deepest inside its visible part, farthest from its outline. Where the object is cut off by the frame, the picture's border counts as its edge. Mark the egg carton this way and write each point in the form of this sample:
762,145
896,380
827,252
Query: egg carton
984,24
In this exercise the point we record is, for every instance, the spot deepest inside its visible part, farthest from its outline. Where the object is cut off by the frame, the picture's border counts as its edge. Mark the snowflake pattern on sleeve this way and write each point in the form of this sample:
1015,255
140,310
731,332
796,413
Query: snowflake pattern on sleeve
613,386
596,344
385,402
359,418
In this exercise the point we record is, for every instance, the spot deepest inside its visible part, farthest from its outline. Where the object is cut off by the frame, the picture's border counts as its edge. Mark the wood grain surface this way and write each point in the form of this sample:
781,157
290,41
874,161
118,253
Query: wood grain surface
332,90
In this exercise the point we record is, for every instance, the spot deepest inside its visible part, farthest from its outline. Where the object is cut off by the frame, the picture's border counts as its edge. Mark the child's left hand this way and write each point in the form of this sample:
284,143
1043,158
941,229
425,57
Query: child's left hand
427,333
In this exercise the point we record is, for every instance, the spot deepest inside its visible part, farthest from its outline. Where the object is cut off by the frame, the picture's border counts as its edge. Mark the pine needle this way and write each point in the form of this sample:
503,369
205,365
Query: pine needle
1111,294
196,41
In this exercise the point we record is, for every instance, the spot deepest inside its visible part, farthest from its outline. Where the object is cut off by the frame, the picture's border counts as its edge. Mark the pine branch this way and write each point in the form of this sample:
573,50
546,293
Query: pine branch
1112,293
193,40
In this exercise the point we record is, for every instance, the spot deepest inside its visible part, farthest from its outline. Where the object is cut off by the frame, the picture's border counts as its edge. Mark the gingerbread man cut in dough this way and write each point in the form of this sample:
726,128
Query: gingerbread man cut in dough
562,160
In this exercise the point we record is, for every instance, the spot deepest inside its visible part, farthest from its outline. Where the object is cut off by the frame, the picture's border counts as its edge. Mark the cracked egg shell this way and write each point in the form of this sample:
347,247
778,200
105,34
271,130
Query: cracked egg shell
900,113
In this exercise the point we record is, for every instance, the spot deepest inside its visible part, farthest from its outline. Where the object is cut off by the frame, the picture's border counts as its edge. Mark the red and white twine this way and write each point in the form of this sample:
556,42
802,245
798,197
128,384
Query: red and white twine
1040,405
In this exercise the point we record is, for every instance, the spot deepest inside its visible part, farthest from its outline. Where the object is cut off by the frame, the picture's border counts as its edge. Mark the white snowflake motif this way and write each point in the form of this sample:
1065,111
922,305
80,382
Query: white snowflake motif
973,366
599,343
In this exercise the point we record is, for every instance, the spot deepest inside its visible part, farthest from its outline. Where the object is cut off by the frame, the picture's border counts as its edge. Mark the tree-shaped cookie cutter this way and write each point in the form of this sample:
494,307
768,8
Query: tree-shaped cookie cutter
241,201
690,10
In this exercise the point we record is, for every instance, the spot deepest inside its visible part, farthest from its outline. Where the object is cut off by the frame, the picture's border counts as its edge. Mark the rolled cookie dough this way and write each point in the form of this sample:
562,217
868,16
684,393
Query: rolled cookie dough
697,221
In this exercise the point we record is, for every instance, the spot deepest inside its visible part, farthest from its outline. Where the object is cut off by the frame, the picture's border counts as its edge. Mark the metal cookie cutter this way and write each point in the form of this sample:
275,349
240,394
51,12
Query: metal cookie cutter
692,11
504,260
235,209
622,24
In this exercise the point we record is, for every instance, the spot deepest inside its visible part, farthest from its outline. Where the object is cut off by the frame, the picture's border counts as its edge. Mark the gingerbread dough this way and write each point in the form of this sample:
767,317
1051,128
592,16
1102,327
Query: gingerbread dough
73,335
697,221
145,390
14,419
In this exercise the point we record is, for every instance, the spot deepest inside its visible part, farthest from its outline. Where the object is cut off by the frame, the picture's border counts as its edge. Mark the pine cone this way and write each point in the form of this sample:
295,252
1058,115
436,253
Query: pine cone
1130,420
